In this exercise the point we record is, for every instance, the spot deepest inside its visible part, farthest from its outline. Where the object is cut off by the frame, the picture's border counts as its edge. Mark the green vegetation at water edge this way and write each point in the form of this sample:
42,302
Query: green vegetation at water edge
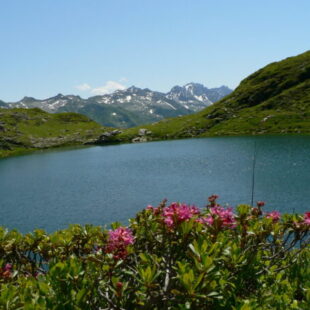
273,100
170,257
24,130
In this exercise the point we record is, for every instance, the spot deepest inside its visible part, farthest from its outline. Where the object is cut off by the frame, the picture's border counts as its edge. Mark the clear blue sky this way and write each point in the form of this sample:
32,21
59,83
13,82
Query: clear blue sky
93,46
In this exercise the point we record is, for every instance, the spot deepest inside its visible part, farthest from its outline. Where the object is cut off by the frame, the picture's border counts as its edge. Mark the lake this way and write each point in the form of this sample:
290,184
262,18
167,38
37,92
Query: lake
102,184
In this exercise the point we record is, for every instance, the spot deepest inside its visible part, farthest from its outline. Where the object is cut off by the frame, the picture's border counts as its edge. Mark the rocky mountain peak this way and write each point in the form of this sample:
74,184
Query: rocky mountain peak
194,86
133,89
27,99
59,96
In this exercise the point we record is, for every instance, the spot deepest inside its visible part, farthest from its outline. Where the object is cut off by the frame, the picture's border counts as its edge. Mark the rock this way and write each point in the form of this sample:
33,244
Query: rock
106,134
142,131
266,118
135,140
139,139
101,139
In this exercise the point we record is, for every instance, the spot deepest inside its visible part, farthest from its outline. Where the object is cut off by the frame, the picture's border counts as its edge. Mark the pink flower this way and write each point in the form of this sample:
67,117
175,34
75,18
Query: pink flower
118,240
206,220
209,220
274,215
224,217
7,267
176,213
200,220
307,221
168,221
307,218
155,211
149,207
121,235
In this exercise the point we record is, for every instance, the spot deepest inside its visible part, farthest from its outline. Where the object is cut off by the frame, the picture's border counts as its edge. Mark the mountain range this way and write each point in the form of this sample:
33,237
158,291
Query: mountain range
130,107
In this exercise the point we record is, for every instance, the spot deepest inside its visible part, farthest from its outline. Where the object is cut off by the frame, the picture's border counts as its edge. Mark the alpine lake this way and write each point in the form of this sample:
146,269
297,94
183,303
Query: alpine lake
103,184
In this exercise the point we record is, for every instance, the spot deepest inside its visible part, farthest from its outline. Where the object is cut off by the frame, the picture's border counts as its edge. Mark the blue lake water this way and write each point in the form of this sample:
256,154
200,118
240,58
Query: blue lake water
99,185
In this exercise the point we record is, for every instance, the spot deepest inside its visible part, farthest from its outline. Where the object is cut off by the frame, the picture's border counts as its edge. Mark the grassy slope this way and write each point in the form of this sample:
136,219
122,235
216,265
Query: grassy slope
273,100
23,130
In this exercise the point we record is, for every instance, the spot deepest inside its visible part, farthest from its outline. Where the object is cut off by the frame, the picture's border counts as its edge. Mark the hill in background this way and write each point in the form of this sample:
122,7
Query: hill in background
273,100
30,129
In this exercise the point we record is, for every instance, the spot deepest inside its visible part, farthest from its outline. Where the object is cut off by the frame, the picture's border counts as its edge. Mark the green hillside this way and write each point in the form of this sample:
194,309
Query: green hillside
112,116
273,100
23,130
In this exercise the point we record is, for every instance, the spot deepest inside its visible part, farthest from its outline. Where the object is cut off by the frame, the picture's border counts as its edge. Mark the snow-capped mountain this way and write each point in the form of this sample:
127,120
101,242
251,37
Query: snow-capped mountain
132,106
195,96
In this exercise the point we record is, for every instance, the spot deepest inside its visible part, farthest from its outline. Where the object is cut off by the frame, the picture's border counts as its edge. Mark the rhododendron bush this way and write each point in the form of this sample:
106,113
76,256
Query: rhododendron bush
173,256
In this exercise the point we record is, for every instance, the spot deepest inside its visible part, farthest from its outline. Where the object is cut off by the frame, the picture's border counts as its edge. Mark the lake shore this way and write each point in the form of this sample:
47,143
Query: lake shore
24,151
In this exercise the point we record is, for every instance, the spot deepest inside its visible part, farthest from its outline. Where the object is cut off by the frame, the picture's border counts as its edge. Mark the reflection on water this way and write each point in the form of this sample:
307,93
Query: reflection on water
102,184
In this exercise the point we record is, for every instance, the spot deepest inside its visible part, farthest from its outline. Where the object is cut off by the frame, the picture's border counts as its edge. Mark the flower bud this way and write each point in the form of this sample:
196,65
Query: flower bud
260,203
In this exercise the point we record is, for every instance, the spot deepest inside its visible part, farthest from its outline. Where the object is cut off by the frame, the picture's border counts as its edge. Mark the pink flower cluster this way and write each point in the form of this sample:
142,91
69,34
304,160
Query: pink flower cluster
307,218
224,217
177,213
274,215
118,240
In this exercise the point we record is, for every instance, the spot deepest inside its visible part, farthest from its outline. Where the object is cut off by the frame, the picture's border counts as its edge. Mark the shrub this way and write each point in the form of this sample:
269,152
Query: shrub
170,257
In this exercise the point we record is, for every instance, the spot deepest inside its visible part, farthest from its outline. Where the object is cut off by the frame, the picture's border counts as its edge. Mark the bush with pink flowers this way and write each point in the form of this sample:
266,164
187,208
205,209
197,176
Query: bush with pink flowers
173,256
